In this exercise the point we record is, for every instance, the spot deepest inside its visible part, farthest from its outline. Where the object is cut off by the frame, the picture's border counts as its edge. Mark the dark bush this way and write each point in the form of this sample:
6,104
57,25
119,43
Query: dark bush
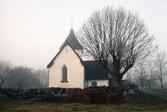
68,95
35,93
97,95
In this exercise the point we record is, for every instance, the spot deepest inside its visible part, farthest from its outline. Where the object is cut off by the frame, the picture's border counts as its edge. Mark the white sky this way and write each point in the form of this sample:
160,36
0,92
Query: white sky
31,31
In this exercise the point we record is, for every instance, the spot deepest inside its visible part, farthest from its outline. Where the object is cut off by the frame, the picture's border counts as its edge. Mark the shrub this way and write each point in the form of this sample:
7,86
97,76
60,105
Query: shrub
68,95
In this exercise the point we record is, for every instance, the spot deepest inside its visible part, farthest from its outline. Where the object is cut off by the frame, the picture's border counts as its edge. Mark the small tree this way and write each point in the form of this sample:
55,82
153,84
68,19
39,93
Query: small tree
4,70
117,39
43,78
161,65
23,78
142,79
151,73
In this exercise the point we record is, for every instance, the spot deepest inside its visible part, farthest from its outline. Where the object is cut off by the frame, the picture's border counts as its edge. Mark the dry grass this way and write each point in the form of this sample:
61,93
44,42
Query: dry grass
76,107
144,104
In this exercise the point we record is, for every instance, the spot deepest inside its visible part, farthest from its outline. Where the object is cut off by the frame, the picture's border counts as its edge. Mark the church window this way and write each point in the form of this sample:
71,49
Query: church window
64,74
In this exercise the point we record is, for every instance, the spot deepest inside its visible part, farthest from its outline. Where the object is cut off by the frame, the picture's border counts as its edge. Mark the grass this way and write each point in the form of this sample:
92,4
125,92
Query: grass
146,103
163,91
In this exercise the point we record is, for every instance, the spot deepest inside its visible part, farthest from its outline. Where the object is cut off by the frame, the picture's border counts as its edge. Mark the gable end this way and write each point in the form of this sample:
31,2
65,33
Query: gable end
52,61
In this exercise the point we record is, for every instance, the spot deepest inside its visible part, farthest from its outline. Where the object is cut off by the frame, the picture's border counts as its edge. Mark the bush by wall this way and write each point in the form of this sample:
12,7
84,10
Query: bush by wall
68,95
35,93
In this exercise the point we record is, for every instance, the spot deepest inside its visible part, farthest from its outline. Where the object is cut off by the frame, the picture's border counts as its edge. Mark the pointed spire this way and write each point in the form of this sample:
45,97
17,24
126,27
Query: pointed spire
71,34
72,41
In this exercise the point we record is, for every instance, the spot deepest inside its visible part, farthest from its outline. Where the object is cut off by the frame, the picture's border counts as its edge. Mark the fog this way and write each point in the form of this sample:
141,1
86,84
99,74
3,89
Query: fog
31,31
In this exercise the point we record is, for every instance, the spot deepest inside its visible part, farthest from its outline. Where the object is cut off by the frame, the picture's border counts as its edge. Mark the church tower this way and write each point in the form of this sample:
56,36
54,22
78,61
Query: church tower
73,42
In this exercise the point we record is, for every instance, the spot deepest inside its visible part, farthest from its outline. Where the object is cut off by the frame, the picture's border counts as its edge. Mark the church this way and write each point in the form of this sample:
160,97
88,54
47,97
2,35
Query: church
70,69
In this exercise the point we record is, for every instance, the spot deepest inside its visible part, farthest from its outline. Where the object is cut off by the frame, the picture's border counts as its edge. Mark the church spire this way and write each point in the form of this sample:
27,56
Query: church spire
72,41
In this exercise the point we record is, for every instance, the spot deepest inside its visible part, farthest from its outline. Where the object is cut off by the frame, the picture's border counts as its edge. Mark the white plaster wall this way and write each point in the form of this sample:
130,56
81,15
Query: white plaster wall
99,83
75,70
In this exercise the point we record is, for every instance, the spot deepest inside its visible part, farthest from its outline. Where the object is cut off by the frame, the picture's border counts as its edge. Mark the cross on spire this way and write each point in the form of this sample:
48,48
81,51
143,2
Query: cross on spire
72,22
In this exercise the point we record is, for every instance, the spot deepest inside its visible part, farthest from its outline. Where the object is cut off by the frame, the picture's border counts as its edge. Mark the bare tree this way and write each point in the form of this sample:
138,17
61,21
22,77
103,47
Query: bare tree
23,78
43,78
117,39
151,73
142,78
161,65
4,70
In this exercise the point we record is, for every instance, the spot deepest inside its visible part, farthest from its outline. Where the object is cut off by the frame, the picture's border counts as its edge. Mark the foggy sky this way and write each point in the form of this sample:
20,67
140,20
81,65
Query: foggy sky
31,31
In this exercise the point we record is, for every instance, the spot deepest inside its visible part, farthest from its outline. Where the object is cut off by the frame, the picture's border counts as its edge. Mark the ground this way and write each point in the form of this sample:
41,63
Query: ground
146,103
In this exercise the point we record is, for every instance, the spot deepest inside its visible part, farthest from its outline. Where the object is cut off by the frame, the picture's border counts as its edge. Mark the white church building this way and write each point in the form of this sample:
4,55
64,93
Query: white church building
69,69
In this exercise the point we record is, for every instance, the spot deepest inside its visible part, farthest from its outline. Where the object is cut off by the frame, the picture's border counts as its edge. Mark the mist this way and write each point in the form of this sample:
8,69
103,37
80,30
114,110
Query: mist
31,31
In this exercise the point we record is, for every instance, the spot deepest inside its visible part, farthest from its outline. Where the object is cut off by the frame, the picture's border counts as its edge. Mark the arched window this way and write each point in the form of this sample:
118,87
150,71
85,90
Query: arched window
64,74
94,83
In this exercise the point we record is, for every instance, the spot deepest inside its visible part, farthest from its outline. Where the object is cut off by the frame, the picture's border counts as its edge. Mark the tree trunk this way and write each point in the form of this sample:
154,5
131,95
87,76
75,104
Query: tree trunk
116,80
161,83
110,82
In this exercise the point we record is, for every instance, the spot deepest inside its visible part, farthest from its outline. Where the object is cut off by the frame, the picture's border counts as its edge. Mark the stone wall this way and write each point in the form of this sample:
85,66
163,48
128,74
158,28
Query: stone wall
36,93
69,95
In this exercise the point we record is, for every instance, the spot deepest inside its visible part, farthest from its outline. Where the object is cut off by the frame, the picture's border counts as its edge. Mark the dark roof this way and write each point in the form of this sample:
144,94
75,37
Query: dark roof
51,62
72,41
94,71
